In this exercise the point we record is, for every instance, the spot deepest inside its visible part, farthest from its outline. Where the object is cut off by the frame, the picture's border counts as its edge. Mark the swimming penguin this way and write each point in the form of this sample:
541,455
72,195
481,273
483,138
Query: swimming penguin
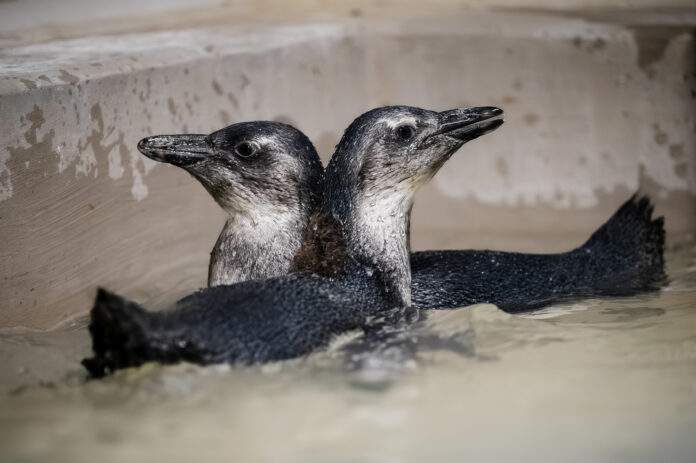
266,176
623,257
383,157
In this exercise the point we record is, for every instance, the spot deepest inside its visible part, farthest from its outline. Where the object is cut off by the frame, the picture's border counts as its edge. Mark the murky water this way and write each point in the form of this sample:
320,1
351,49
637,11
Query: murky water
603,380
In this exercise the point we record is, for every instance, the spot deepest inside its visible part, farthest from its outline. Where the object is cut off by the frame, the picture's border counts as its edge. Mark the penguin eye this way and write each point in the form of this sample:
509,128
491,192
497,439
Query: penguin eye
245,149
405,132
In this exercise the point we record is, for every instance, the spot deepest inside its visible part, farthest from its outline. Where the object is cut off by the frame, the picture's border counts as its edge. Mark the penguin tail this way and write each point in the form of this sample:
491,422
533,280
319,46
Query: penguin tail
629,249
119,334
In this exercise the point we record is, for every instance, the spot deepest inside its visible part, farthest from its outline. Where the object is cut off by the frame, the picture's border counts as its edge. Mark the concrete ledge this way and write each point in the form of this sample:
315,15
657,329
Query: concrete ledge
593,115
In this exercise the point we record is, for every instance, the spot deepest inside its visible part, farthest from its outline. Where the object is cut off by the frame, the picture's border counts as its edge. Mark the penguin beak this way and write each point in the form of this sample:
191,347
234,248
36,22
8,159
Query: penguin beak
179,150
465,124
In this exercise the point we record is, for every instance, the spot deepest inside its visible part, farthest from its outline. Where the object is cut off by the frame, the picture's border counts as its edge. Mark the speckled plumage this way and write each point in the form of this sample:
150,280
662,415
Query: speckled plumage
267,195
258,321
285,317
622,258
289,316
274,227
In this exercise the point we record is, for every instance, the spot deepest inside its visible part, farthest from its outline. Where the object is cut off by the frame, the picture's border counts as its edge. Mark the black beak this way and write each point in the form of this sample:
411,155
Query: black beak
180,150
465,124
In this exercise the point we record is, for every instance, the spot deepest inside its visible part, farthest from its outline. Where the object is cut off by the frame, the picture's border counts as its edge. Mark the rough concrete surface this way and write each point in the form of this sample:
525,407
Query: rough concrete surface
597,107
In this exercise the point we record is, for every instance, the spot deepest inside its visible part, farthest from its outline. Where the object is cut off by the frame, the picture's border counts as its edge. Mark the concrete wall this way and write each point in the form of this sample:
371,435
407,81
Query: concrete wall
597,107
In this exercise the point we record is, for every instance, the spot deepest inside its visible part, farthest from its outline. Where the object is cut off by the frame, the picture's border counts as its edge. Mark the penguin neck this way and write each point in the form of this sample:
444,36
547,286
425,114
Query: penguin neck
377,237
355,233
260,243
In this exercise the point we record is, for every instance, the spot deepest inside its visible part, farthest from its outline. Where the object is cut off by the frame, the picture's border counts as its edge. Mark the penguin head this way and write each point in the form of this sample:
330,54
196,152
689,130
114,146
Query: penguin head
381,160
396,149
247,167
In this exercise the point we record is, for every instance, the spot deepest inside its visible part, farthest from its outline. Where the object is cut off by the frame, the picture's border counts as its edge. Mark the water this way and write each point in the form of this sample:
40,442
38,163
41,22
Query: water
602,380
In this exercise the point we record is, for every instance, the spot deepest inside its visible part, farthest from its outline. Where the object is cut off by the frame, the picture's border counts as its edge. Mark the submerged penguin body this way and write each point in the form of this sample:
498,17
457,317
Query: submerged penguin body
623,257
260,321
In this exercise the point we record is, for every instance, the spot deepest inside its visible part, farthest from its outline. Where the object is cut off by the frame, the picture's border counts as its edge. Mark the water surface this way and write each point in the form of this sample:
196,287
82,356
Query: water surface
601,380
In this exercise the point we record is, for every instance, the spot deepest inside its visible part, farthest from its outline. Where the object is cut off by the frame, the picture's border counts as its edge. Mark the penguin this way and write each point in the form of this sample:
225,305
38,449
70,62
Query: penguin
384,156
623,257
266,176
